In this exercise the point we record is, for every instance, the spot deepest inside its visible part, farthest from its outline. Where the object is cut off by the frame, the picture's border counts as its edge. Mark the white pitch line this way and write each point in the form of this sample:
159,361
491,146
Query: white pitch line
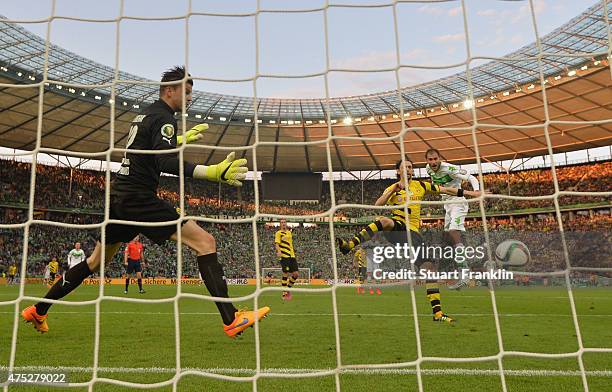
331,314
250,372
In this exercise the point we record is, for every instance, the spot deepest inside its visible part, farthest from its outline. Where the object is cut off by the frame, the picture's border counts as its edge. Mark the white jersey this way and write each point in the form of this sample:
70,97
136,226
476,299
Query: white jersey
449,175
75,257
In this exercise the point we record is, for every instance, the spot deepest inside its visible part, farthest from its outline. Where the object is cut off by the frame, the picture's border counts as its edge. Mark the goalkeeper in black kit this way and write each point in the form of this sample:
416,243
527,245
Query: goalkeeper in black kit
133,196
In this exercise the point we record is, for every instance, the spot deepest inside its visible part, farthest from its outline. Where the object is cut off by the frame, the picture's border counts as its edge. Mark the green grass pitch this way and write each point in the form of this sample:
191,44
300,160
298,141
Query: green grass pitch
137,340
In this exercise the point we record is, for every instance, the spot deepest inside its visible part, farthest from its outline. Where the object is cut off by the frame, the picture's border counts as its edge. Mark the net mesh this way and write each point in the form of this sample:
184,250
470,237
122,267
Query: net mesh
179,371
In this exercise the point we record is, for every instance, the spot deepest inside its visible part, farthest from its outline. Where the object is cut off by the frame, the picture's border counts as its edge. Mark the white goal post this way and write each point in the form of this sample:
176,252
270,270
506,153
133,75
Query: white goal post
272,276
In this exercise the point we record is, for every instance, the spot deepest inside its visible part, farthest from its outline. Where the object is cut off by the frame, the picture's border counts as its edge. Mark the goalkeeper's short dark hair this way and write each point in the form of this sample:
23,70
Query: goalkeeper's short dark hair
176,73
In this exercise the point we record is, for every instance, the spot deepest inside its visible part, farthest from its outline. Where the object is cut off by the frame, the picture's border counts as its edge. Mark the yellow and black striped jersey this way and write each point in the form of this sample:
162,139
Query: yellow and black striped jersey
360,258
53,266
284,239
12,270
416,191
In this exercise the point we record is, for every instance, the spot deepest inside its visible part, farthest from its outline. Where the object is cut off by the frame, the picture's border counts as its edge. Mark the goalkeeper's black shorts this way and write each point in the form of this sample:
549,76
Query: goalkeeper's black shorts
142,209
289,264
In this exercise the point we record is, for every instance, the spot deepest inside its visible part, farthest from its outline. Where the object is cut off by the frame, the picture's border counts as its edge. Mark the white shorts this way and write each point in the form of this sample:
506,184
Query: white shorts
455,216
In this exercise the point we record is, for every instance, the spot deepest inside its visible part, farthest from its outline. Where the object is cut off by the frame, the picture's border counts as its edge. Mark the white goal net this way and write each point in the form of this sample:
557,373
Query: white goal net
418,366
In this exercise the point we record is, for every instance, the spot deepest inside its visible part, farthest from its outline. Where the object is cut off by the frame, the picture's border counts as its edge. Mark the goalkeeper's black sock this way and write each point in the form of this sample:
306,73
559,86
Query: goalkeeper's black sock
284,281
366,233
433,295
291,281
70,281
127,283
140,284
214,279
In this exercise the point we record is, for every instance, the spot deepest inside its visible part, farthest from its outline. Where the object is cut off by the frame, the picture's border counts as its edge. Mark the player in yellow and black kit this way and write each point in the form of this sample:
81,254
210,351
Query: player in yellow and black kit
12,272
361,261
53,268
395,225
283,242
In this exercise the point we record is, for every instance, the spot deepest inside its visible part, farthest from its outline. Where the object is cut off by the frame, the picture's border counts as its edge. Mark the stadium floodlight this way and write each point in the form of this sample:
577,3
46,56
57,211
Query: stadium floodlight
247,120
222,118
455,105
531,87
97,97
198,116
506,93
571,73
347,121
584,68
468,104
596,62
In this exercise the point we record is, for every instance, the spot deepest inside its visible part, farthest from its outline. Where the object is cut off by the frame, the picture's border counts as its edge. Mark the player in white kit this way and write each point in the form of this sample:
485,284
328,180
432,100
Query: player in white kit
76,255
456,207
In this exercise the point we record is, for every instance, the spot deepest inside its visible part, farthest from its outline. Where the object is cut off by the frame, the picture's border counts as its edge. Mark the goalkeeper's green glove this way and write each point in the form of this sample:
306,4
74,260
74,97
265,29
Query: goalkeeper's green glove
229,171
192,135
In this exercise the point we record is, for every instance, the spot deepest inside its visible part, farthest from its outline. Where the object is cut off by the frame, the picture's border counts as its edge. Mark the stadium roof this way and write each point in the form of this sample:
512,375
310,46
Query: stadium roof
508,101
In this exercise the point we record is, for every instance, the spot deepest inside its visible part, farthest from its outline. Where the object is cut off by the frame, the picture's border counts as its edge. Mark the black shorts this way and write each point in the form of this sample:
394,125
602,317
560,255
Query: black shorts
363,273
398,236
11,276
52,275
133,266
289,264
143,209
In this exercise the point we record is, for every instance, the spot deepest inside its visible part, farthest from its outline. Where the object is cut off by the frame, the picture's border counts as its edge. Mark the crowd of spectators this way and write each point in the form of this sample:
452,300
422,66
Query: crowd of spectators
587,237
86,190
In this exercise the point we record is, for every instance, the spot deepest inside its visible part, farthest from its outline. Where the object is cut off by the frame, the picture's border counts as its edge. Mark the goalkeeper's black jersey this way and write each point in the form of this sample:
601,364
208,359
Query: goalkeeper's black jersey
154,129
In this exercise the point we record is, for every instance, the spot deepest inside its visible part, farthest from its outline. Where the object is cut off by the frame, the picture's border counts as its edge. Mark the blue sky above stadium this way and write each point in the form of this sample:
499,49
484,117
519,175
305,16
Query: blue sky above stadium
293,44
